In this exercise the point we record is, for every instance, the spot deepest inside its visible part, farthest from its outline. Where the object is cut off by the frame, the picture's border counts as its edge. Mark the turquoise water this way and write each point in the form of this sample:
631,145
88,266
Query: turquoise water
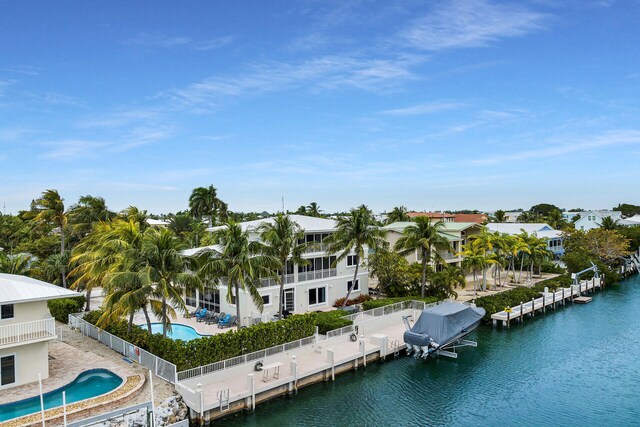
178,331
578,366
88,384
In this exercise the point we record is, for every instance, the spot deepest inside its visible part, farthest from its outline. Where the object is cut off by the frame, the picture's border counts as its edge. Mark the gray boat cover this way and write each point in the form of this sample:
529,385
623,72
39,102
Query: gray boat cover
446,321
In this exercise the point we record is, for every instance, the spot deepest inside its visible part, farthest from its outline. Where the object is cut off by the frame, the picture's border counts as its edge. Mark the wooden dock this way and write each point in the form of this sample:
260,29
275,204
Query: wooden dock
548,300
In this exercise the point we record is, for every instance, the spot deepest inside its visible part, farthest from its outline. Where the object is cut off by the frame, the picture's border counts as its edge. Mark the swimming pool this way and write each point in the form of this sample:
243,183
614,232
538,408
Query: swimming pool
92,383
178,331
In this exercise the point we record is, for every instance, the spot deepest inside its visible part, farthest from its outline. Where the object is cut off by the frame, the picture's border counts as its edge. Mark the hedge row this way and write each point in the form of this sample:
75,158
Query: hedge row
61,308
353,301
368,305
194,353
498,302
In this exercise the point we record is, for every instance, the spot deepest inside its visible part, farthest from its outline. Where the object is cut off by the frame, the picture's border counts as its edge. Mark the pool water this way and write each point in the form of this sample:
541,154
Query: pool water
88,384
178,331
577,366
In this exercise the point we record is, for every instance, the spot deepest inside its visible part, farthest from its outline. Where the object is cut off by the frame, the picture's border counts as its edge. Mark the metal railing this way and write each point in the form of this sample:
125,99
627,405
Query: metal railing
388,309
317,274
288,278
27,331
162,368
340,331
245,358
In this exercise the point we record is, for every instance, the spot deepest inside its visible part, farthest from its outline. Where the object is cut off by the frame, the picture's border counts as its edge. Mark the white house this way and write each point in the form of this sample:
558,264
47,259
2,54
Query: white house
26,327
593,219
541,230
307,288
570,215
456,234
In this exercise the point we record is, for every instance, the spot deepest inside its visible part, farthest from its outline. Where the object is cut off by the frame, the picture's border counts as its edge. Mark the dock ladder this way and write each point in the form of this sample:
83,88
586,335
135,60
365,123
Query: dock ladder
223,397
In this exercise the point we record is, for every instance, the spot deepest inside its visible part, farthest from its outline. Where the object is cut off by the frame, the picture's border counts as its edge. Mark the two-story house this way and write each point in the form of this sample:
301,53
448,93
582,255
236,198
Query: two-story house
310,287
593,219
26,327
541,230
456,234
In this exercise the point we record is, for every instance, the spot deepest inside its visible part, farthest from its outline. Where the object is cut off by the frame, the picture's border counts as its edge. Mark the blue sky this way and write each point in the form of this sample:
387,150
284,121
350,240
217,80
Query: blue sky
432,105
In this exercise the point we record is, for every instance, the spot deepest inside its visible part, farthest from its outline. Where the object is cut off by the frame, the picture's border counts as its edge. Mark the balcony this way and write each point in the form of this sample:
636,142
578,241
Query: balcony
288,278
317,274
20,333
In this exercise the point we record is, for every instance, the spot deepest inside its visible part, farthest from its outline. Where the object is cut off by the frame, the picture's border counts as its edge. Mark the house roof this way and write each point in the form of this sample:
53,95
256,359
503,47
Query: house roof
477,218
19,289
632,220
517,227
307,223
157,222
602,214
196,251
430,214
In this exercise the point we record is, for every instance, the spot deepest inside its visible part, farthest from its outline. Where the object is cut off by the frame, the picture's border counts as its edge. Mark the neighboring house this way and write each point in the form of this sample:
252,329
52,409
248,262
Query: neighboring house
26,327
456,233
157,222
512,216
307,288
436,216
476,218
570,215
593,219
541,230
631,221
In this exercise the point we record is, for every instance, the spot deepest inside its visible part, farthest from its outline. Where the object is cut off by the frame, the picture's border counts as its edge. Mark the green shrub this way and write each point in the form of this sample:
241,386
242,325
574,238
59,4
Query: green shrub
329,320
61,308
194,353
381,302
551,267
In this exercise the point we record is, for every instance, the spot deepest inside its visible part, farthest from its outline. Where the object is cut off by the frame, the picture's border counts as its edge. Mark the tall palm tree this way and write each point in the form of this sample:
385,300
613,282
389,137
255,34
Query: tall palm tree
539,251
609,223
88,211
168,271
239,261
181,225
500,216
282,240
473,260
353,233
140,217
314,210
423,236
398,214
527,242
50,207
485,240
204,201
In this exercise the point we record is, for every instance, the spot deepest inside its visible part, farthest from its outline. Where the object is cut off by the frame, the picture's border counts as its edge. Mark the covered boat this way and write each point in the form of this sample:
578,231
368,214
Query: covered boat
440,329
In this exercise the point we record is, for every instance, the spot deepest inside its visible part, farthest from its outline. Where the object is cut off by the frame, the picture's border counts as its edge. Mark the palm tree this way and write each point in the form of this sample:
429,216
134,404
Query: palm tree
140,217
528,241
485,240
423,236
608,223
500,216
19,264
168,271
204,201
240,261
50,207
447,280
353,233
282,240
539,250
398,214
473,260
314,210
181,225
88,211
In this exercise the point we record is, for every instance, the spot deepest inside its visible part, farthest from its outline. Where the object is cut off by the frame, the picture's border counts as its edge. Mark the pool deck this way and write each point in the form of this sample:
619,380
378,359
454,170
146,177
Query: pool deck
200,327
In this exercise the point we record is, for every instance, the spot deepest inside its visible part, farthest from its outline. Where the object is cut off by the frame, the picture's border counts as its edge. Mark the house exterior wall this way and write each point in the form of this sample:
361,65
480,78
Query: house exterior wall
30,360
27,312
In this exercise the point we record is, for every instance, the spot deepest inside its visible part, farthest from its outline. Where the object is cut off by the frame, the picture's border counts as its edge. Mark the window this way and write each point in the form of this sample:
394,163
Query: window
210,299
190,298
353,288
266,299
317,296
7,370
6,312
351,260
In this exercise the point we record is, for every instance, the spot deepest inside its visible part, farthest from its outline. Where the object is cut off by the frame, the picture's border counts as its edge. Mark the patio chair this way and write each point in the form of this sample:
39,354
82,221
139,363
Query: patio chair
230,322
212,318
201,315
224,320
195,313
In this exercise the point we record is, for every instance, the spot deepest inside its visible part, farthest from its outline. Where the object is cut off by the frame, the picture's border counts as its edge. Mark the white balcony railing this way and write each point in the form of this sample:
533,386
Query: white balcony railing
317,274
288,278
27,331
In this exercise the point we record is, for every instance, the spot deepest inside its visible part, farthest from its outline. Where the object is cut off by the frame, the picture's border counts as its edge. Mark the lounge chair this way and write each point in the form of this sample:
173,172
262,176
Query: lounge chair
212,318
231,322
224,320
201,315
195,313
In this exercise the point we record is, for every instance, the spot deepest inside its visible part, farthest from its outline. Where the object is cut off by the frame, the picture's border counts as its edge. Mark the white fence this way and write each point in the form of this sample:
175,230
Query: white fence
245,358
27,331
161,367
387,309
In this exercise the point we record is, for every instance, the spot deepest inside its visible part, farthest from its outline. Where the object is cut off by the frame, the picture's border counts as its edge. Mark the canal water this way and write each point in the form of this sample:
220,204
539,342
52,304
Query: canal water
577,366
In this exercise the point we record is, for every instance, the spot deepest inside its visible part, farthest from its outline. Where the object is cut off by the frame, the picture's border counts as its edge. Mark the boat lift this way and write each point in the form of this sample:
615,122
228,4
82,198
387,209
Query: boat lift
576,276
434,349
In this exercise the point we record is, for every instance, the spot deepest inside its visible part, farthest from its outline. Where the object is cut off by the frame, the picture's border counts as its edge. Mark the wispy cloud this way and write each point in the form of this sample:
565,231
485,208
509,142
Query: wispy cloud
327,72
4,85
58,99
71,148
212,44
26,70
118,119
428,108
467,23
612,138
